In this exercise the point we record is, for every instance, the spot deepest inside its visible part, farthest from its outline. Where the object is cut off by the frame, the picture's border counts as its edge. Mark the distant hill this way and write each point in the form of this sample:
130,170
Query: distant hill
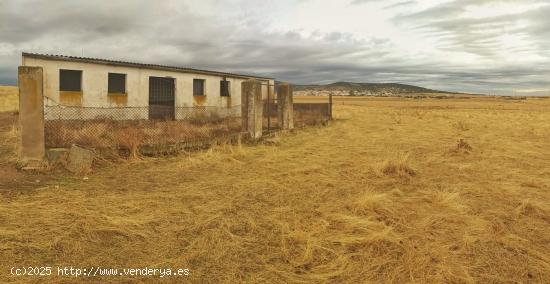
364,89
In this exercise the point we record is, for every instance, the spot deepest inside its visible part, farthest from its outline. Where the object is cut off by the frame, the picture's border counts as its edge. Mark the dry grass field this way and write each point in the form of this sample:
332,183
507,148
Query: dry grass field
394,190
8,98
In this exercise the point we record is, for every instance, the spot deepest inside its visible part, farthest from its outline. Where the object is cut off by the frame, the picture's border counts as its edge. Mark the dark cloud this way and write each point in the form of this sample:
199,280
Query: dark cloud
479,35
483,37
7,76
175,33
26,20
180,38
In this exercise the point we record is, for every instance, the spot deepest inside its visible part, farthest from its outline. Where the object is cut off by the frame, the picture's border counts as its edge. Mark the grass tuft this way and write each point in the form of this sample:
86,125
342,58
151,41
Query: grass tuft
398,166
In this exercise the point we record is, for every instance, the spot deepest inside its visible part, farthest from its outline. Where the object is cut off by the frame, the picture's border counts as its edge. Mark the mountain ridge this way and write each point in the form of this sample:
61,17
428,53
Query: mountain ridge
353,88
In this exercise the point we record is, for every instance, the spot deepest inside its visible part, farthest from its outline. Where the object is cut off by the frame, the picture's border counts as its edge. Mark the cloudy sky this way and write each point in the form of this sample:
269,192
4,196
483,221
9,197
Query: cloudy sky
484,46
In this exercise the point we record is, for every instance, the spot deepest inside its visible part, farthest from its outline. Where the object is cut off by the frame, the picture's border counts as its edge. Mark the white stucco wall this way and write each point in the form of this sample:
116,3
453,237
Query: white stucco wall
95,84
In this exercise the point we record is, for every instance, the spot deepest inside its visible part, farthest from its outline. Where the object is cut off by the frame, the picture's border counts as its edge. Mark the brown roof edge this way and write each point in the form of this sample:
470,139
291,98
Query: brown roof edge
137,65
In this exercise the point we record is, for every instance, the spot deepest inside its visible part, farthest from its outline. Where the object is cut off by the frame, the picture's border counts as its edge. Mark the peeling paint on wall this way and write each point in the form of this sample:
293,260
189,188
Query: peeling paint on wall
118,100
199,100
70,98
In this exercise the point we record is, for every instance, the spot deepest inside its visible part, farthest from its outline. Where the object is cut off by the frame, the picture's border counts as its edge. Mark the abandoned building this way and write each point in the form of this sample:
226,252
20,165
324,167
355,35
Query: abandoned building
142,91
104,104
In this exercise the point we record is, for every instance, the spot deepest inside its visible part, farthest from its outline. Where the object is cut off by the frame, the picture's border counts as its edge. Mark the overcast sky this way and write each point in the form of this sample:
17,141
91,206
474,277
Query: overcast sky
486,46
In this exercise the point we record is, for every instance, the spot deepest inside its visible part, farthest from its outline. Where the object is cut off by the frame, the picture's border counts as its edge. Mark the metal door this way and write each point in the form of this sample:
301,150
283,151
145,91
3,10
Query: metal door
161,98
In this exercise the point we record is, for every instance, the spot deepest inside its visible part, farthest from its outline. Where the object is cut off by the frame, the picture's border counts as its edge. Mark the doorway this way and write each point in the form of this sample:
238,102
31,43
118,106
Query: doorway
162,94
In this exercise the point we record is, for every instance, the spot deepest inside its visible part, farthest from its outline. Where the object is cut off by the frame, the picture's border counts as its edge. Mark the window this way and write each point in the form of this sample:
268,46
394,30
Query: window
70,80
117,83
198,87
224,89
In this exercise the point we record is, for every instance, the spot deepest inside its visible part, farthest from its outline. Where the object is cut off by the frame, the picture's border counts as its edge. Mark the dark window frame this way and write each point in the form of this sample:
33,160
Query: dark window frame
196,91
225,88
67,82
115,88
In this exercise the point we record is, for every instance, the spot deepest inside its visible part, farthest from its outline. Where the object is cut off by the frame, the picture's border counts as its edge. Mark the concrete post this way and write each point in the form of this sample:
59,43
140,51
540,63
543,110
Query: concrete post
285,106
252,108
31,115
330,105
268,107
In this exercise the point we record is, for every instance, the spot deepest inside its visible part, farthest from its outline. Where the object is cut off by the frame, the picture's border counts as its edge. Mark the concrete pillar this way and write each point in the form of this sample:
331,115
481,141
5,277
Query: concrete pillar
31,115
330,105
285,106
252,108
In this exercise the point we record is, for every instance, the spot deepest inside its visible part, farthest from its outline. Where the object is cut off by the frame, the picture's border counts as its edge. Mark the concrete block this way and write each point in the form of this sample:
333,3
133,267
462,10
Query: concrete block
80,160
57,156
31,115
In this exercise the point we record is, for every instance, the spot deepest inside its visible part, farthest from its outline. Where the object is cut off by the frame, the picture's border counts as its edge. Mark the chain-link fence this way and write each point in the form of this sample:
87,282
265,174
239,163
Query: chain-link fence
270,115
130,127
126,127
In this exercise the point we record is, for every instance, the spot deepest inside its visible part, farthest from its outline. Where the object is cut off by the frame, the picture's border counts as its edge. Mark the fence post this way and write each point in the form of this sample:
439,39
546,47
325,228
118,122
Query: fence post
268,107
285,106
330,105
252,108
31,116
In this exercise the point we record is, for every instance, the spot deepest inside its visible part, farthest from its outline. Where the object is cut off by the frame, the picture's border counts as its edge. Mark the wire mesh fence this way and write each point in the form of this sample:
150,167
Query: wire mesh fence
131,127
270,115
125,127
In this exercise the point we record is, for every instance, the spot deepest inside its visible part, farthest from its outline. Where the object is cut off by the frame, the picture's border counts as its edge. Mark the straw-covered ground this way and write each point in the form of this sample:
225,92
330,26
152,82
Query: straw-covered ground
394,190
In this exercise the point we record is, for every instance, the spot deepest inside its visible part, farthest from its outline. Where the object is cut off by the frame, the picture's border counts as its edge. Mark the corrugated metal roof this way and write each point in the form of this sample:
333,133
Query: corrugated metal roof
137,65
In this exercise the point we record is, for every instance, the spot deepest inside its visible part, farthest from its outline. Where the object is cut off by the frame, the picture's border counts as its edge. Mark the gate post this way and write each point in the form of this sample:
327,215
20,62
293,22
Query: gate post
31,115
285,107
252,108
